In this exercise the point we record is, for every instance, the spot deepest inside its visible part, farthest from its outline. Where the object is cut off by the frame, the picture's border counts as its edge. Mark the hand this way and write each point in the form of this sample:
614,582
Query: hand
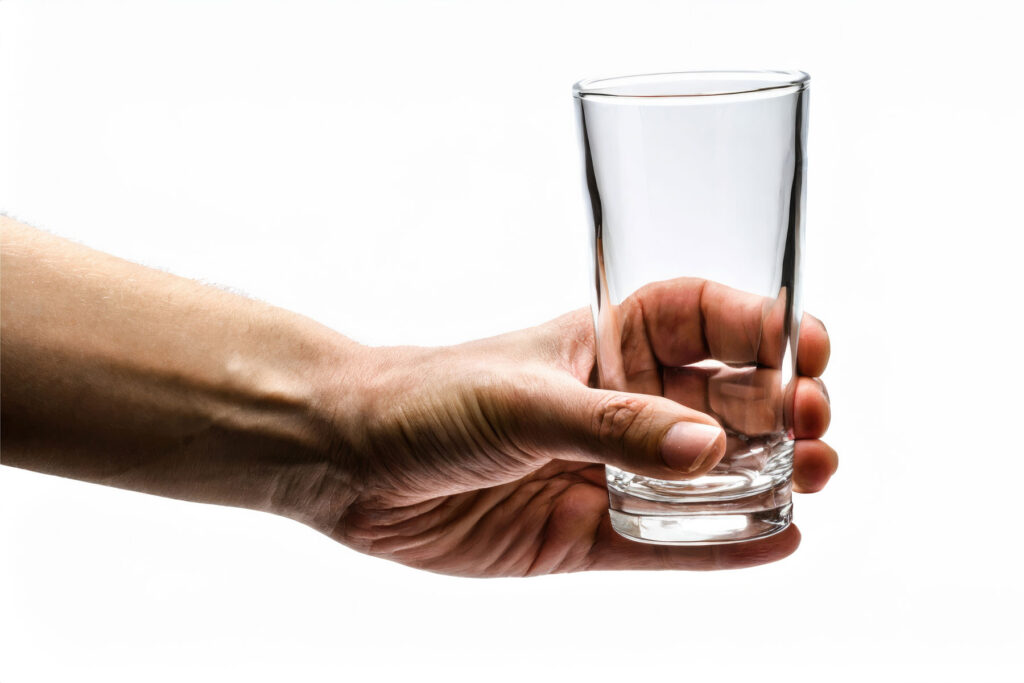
487,459
484,459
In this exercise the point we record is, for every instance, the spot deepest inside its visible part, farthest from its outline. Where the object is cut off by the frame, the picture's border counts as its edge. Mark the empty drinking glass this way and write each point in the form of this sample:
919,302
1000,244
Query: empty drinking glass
695,184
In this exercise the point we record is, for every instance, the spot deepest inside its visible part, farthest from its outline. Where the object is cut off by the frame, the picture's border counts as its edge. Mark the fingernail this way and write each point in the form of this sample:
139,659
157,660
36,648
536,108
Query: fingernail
688,445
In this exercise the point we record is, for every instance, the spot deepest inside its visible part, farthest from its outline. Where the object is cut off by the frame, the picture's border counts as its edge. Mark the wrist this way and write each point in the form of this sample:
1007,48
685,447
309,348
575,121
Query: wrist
319,392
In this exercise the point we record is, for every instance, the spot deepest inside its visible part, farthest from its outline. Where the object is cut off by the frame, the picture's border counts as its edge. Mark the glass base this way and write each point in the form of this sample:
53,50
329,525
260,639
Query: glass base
747,496
707,529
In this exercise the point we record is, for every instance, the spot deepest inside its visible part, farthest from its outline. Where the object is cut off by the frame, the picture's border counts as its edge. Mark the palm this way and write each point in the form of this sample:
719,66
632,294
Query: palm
553,520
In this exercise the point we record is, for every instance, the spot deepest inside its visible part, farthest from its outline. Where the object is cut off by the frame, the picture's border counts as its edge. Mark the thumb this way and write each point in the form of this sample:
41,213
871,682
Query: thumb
648,435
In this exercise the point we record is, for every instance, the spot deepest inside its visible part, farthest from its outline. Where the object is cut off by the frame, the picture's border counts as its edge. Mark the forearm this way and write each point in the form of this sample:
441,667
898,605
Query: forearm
119,374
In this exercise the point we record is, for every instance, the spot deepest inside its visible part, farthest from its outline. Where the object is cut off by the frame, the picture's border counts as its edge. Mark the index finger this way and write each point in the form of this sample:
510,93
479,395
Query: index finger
685,320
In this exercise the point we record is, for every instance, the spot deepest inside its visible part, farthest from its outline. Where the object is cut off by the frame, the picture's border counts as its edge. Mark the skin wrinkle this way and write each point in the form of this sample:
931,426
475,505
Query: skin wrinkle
477,505
513,461
544,490
451,532
554,520
407,437
542,543
521,557
520,428
358,527
614,416
543,501
441,452
489,439
583,361
387,514
558,519
507,426
458,529
486,439
321,482
371,526
480,534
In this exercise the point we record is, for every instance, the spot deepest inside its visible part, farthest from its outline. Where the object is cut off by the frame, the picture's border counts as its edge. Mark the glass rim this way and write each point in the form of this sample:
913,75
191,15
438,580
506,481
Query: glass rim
753,81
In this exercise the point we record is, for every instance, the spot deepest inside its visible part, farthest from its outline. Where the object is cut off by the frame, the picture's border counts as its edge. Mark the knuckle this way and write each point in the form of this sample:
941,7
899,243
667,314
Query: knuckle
616,416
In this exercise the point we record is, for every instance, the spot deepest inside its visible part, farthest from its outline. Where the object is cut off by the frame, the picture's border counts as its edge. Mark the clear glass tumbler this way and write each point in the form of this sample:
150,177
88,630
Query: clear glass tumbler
695,181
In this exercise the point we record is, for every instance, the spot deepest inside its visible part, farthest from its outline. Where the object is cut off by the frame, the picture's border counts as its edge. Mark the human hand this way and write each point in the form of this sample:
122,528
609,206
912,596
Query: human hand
483,459
486,459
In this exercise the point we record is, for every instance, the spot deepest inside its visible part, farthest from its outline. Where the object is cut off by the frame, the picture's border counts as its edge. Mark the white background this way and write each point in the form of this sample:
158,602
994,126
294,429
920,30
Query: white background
407,172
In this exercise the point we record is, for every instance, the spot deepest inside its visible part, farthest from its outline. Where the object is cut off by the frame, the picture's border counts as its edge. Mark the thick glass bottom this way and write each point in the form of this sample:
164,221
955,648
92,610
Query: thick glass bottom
748,496
706,529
